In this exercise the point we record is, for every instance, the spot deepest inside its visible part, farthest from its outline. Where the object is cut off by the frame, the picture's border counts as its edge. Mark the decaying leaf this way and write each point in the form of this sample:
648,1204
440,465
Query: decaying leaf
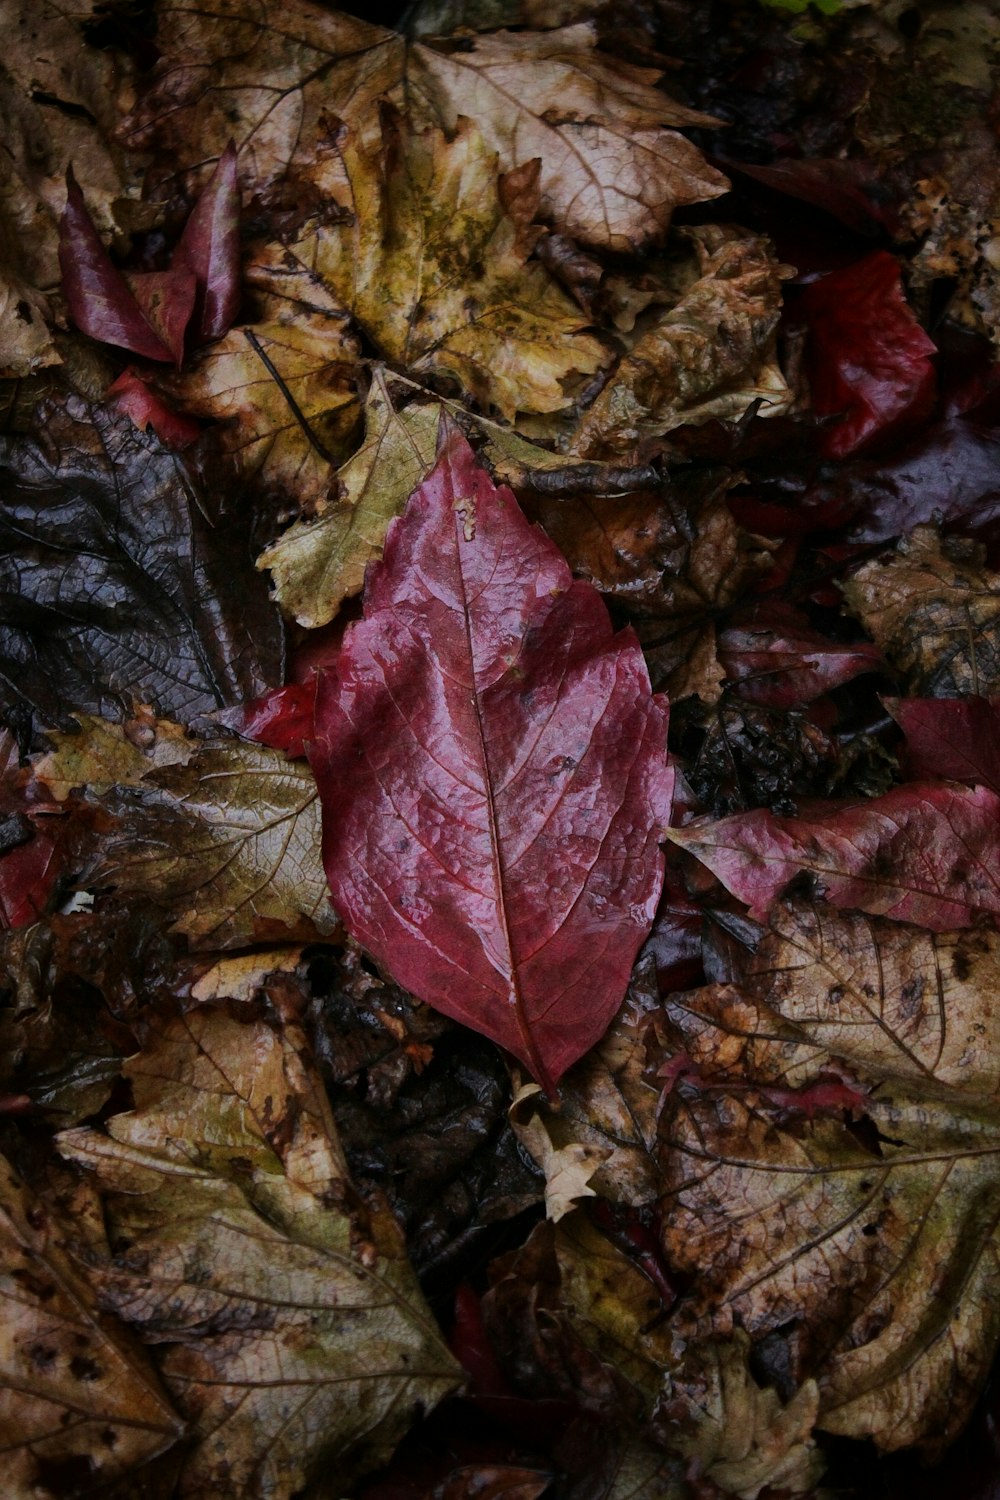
122,580
743,1438
933,608
568,1168
228,844
880,1246
287,1325
711,355
245,974
493,774
317,564
100,753
435,269
77,1393
611,173
926,852
284,387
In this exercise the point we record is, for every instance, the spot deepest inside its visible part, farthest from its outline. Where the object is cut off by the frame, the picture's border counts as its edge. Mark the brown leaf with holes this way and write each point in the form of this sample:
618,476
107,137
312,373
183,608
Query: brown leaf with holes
877,1242
933,609
77,1394
284,1316
712,355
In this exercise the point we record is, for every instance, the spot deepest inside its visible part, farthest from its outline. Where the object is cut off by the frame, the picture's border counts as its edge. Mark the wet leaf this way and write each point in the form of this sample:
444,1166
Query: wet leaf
77,1395
869,360
436,270
210,245
611,173
99,754
955,738
226,1198
228,844
117,585
284,387
779,660
711,355
494,845
933,609
876,1243
317,564
925,852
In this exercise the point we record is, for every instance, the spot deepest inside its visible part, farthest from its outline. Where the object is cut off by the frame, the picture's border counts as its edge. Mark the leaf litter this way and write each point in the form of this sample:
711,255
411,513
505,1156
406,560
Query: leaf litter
428,1067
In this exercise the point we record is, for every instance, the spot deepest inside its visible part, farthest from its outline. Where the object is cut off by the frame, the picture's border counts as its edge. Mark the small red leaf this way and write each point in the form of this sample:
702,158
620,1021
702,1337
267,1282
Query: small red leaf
493,773
779,660
927,853
955,738
131,395
166,300
210,246
97,294
282,719
868,358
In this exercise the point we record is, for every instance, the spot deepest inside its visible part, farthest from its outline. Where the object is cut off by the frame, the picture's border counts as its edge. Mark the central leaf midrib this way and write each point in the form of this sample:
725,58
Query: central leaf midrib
533,1057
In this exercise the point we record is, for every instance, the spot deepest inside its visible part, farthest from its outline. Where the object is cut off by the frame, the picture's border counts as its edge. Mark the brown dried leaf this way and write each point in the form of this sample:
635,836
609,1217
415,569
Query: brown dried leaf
284,386
103,754
290,1328
881,1248
933,609
76,1393
567,1169
229,844
611,173
435,270
58,103
317,564
712,355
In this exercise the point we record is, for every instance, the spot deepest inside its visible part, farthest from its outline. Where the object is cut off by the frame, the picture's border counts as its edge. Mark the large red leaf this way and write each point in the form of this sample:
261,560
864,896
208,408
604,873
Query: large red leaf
493,774
927,853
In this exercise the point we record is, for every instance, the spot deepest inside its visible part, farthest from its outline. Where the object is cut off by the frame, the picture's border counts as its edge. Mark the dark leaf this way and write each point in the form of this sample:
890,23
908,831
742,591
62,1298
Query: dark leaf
98,296
955,738
492,768
868,358
210,245
122,580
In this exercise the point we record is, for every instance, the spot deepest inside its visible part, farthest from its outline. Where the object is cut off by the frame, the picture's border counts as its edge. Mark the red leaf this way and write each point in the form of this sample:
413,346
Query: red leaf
131,395
955,738
282,719
868,357
210,246
779,660
166,300
28,874
927,853
99,300
493,774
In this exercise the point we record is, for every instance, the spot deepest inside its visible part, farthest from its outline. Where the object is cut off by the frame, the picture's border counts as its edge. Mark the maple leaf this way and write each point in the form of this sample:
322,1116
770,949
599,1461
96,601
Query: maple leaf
933,608
492,771
925,853
868,358
228,842
711,355
76,1391
317,564
611,174
882,1250
121,579
436,270
224,1190
284,387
